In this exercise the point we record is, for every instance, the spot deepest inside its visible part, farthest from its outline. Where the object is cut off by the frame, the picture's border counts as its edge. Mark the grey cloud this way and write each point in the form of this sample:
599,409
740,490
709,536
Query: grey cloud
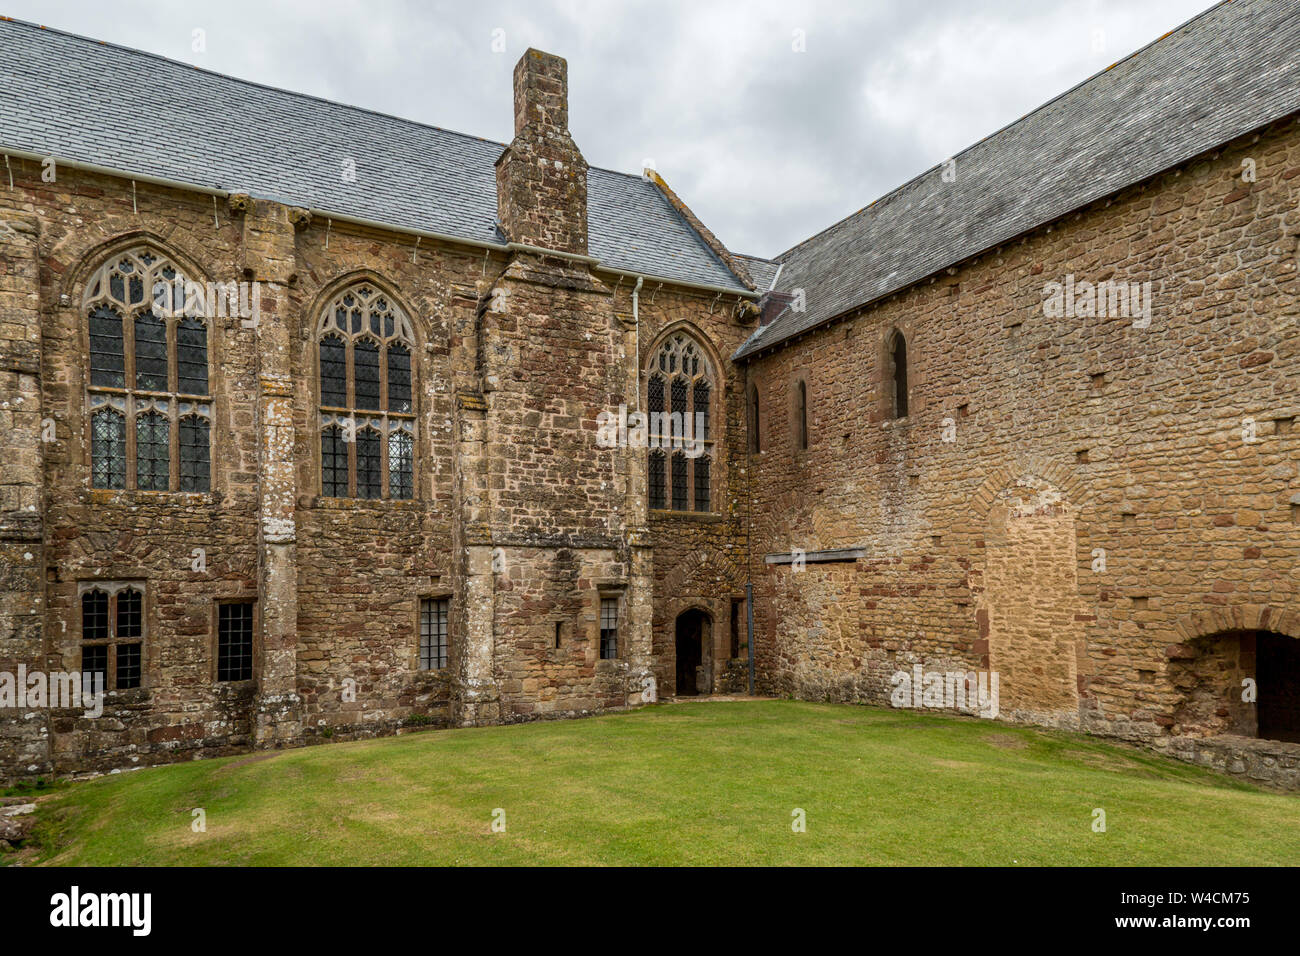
767,145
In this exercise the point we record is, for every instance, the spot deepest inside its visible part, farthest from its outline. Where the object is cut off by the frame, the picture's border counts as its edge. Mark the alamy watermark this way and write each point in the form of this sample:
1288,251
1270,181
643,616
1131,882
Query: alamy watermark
675,430
966,691
181,297
1105,299
60,690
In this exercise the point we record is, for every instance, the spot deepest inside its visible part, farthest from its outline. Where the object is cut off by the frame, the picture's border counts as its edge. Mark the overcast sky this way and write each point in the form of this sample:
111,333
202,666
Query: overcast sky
772,119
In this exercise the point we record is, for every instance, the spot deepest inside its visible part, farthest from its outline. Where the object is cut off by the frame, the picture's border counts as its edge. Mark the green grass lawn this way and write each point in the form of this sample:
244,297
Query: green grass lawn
686,783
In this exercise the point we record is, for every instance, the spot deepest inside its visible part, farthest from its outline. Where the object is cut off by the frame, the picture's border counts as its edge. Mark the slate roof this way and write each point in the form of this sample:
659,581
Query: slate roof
88,101
1230,70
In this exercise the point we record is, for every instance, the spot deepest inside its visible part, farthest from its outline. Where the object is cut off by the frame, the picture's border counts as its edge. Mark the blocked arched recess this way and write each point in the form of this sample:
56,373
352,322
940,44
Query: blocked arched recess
1030,616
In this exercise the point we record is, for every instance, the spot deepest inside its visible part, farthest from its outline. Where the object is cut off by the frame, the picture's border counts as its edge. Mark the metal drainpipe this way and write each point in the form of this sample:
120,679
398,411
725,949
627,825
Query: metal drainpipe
636,359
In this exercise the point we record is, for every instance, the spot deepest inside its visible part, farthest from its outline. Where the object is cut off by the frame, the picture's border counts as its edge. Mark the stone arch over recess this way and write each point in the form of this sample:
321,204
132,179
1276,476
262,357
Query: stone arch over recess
1005,475
1216,650
1029,611
87,249
1213,619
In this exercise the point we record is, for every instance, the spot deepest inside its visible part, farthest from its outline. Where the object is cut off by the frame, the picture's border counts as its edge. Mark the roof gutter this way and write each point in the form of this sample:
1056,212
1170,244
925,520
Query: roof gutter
702,286
359,221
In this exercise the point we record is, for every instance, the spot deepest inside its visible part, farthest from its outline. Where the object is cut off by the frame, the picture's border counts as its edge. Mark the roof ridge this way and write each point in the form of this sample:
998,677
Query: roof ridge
1006,126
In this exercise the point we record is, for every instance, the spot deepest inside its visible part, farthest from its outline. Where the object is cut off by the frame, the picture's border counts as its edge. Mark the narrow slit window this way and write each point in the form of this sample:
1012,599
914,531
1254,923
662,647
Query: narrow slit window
898,361
801,415
755,445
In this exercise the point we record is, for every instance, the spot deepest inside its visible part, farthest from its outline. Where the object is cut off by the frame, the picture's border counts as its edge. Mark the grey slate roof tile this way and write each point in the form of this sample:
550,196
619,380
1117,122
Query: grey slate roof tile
97,103
1230,70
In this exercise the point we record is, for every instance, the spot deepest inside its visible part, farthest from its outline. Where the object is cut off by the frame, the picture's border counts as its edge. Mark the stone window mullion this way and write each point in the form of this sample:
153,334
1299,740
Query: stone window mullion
386,425
351,428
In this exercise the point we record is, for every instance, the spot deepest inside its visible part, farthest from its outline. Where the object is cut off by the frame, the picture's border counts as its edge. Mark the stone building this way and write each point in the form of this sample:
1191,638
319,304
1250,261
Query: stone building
321,423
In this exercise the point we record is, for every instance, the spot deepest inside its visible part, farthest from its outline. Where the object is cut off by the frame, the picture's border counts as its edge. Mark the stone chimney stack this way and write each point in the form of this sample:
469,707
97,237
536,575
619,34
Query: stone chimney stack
541,176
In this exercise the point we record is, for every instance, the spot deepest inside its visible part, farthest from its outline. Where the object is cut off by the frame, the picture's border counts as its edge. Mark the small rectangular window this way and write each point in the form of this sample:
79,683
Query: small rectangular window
113,633
235,641
433,633
608,629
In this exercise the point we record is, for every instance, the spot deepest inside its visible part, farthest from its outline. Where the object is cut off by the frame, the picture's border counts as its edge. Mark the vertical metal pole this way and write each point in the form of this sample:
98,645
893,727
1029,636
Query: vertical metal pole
749,630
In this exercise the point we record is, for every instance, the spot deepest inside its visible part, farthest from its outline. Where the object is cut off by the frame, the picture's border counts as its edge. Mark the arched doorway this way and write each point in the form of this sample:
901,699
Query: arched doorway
1245,683
693,630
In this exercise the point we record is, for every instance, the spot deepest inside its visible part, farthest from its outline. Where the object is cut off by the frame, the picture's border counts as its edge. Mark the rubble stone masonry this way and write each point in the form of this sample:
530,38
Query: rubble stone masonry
1105,513
1092,508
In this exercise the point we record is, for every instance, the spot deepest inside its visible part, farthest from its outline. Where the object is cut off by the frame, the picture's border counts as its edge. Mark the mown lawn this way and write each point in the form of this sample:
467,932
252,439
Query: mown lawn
686,783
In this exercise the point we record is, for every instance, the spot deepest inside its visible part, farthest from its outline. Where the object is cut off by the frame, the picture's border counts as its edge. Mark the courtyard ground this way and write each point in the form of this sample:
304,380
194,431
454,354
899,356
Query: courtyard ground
707,782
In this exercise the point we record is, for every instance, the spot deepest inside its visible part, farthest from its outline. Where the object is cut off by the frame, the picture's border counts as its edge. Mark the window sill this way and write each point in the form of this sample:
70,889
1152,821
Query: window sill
133,496
701,516
351,504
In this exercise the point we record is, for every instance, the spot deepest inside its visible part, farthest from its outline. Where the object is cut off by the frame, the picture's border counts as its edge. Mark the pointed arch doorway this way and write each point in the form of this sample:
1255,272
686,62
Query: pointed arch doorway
694,629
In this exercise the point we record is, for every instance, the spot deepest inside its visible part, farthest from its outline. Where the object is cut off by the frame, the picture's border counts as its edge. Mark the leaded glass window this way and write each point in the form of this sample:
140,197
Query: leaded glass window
367,413
148,387
113,634
679,402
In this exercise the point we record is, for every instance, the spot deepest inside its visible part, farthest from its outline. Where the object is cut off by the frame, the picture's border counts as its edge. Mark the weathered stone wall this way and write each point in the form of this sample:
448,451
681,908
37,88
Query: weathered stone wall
1071,437
699,558
24,739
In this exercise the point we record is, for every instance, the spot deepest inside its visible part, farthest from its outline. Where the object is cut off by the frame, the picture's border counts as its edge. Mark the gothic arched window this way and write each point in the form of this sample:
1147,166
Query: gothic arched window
367,411
148,390
679,396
